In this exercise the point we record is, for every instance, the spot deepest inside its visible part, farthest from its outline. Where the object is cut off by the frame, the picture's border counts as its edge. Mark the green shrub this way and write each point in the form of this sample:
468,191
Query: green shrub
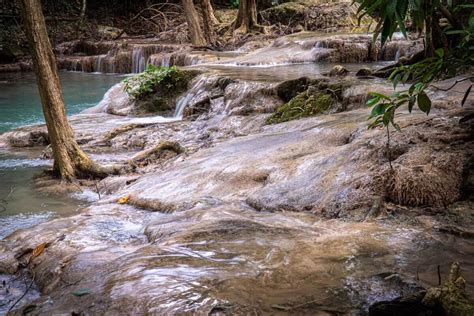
234,4
143,84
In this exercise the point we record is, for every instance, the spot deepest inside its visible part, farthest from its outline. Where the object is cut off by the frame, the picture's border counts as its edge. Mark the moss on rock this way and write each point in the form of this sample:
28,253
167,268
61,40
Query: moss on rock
322,96
303,105
451,296
156,89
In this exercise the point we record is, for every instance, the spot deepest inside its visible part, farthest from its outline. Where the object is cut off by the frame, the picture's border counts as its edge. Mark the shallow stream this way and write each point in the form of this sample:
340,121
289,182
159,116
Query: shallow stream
216,251
21,205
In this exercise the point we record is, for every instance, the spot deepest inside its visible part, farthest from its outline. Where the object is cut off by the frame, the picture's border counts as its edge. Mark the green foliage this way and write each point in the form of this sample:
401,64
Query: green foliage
145,83
384,107
235,4
445,63
392,15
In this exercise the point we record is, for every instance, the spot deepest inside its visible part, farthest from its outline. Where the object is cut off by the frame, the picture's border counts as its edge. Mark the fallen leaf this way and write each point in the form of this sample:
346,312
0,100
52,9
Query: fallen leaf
81,292
38,250
124,200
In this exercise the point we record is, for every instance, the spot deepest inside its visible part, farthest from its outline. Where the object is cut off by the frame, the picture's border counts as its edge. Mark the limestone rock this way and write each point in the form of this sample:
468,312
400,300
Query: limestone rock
339,71
364,72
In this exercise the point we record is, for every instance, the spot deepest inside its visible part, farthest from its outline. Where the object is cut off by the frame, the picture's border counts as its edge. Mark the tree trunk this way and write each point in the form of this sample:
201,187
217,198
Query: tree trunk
247,17
207,10
192,18
83,9
429,44
69,160
208,20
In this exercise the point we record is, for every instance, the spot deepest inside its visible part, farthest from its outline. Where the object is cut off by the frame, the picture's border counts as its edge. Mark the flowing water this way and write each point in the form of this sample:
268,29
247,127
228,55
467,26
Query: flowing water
21,205
220,250
278,73
19,99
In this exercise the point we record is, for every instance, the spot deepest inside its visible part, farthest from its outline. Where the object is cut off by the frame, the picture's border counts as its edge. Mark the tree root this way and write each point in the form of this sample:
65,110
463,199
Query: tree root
163,151
386,71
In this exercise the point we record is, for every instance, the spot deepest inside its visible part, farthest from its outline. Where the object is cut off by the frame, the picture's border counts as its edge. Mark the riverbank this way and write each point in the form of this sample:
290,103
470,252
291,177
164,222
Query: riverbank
303,216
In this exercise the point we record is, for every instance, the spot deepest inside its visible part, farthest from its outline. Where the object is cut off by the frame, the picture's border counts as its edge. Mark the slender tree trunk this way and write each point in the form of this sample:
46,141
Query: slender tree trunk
83,9
429,44
208,20
247,17
207,10
192,18
69,160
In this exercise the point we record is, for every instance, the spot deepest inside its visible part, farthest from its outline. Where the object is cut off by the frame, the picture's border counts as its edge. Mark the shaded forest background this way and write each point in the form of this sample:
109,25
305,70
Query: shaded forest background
103,20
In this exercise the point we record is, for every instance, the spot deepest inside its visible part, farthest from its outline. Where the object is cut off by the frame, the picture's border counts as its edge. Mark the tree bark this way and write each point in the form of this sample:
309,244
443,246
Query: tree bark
192,18
429,44
207,10
208,20
247,17
69,160
83,9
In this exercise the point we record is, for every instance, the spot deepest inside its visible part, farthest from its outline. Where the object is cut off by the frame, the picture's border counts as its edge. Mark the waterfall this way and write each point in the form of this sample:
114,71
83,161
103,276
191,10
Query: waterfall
166,61
319,44
138,60
184,100
98,63
397,54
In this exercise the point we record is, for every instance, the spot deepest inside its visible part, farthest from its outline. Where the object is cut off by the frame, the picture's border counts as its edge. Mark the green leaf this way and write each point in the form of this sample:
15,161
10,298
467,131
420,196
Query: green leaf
424,102
377,110
81,292
411,103
439,52
396,79
397,127
454,32
464,99
373,101
380,95
401,24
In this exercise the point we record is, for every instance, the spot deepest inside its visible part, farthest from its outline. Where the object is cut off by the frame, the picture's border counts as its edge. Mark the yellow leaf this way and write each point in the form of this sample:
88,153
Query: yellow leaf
38,250
124,200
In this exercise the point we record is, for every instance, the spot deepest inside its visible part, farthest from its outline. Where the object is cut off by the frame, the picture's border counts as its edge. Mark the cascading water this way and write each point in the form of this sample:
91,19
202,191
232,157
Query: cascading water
397,55
98,63
138,60
184,100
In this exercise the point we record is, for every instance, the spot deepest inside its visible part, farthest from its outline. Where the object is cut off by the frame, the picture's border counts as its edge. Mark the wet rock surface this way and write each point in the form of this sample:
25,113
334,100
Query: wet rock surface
236,216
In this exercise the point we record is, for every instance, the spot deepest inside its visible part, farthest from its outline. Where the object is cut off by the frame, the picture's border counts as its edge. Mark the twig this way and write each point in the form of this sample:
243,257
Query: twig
24,294
439,275
453,85
389,154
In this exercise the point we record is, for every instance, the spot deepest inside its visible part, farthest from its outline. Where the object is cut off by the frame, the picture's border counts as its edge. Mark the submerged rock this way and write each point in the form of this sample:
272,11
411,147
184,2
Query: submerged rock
338,70
364,72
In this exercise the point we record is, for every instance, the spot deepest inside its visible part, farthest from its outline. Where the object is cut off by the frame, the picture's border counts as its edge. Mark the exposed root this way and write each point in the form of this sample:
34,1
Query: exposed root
122,129
163,151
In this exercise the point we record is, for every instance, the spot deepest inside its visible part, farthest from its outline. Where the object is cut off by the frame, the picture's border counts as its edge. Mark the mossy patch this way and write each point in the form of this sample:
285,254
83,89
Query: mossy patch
156,89
319,98
303,105
452,295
